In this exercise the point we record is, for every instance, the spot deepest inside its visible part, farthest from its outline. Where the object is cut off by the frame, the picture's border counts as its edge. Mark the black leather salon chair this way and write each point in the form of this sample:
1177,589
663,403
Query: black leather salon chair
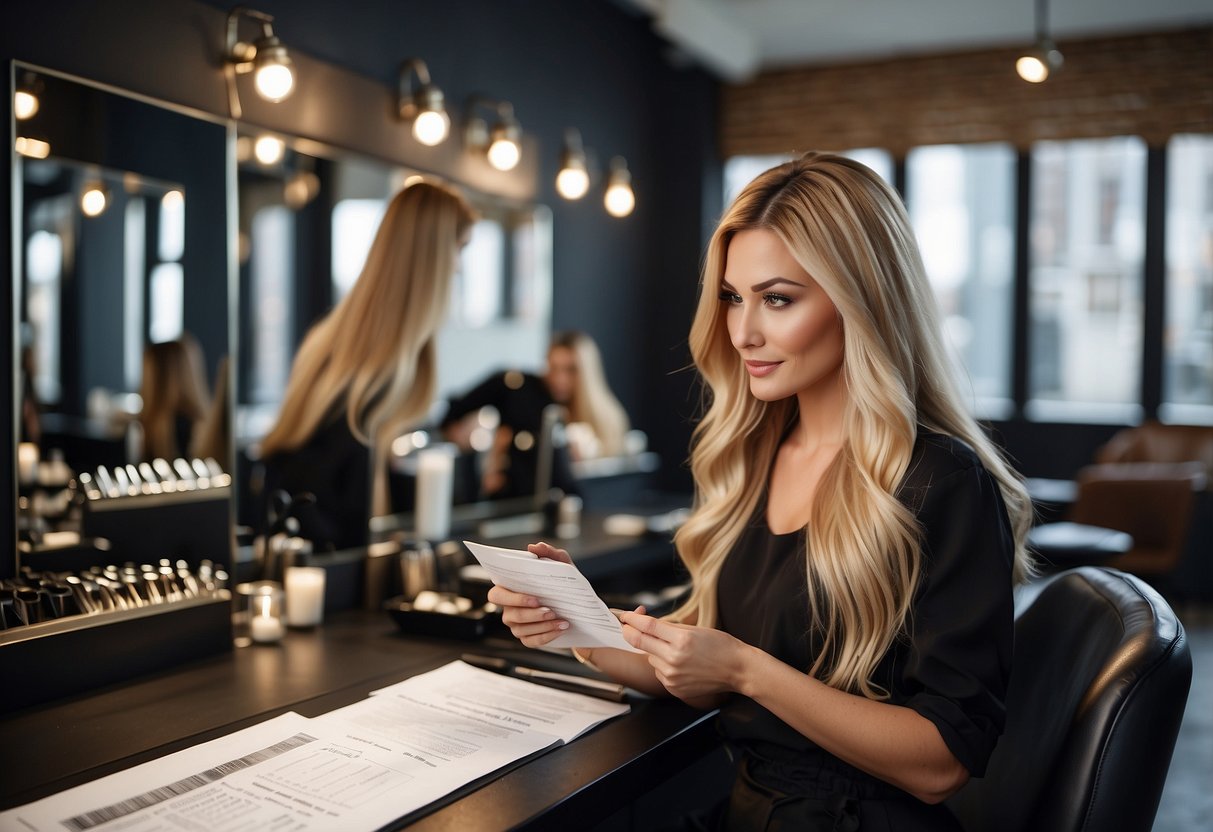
1101,676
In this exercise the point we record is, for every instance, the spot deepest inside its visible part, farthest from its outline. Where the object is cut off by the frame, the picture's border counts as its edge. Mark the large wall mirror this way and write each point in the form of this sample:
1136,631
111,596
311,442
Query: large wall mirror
307,215
122,303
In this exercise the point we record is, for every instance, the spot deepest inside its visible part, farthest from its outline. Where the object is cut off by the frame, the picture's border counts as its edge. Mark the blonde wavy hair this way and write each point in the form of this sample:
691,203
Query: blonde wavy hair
849,230
173,386
592,401
373,354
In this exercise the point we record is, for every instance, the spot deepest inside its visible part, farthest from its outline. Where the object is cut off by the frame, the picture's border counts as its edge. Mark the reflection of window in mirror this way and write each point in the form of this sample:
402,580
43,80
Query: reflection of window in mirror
477,290
354,224
44,267
271,272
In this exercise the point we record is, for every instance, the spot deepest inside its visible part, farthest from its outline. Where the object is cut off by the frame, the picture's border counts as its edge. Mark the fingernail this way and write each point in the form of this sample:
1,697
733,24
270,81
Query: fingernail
547,613
563,625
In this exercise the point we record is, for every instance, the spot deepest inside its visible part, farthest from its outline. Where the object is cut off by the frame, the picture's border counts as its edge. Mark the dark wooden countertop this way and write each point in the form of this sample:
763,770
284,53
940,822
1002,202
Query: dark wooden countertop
71,741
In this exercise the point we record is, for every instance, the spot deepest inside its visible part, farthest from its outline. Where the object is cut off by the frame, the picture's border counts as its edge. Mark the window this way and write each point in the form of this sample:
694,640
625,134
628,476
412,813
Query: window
166,302
271,270
477,291
355,222
961,200
739,171
1188,338
1087,240
44,266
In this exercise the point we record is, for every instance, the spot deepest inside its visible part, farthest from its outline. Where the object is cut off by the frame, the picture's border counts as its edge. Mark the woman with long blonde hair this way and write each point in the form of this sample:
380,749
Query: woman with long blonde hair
576,379
855,536
366,371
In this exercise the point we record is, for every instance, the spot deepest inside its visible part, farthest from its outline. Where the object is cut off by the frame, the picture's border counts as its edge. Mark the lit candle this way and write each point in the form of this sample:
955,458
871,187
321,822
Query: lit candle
435,480
304,596
265,626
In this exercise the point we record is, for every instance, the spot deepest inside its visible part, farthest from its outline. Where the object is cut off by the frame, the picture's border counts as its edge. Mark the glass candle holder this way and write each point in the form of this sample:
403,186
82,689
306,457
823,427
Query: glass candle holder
262,609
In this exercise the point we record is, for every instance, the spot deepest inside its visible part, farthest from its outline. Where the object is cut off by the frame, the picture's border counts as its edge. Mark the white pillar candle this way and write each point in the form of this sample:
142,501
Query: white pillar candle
27,462
304,596
435,480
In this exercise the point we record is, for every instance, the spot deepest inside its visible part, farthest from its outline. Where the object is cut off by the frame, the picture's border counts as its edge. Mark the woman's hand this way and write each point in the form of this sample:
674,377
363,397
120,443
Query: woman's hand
691,662
531,623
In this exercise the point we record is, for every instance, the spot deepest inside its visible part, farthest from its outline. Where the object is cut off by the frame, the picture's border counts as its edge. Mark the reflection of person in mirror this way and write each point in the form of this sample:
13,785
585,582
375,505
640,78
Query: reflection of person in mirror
855,537
366,371
574,381
175,399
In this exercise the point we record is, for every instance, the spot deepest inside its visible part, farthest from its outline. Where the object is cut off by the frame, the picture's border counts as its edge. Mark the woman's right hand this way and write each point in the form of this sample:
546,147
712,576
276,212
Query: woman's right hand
532,624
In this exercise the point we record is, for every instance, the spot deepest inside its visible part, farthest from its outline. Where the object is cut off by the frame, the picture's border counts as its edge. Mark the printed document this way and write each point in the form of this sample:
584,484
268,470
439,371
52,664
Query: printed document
560,587
357,768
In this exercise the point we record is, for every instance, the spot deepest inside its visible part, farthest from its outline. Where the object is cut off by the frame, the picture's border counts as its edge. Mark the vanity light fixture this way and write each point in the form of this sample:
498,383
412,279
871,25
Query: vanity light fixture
94,199
502,144
425,106
269,150
619,199
1038,63
26,97
573,181
266,57
32,148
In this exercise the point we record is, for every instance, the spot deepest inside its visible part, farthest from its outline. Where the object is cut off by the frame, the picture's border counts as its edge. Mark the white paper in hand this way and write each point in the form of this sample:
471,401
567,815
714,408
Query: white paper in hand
560,587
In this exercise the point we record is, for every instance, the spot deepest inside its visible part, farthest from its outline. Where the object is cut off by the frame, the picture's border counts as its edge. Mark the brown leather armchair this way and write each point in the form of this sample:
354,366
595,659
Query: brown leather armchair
1155,442
1098,687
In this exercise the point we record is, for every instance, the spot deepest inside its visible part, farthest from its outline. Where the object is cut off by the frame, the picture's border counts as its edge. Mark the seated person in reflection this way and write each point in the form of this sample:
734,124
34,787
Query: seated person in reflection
574,382
366,371
175,399
855,536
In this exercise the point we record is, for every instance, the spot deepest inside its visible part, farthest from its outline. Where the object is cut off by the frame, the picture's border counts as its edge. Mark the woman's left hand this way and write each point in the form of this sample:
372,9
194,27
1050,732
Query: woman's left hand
691,662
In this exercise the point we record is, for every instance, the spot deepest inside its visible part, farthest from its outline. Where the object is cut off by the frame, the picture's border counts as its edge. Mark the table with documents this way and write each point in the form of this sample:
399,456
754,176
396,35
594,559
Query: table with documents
308,734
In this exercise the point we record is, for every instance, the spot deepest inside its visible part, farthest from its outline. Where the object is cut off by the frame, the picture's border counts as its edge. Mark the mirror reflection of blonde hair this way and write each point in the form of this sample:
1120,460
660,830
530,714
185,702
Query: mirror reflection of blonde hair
850,232
173,390
592,401
372,357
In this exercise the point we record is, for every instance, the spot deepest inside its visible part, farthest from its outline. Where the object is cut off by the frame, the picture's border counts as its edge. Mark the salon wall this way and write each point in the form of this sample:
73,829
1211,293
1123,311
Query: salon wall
630,283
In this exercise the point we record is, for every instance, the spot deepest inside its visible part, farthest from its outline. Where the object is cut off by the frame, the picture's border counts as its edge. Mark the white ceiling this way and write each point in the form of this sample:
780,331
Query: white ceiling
736,38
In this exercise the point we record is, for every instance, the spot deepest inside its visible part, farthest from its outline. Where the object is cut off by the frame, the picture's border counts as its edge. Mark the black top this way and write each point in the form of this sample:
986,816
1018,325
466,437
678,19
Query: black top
335,467
520,399
954,666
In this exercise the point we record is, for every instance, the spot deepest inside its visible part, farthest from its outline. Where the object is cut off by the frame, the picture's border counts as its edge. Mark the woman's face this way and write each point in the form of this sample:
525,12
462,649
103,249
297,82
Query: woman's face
781,322
561,374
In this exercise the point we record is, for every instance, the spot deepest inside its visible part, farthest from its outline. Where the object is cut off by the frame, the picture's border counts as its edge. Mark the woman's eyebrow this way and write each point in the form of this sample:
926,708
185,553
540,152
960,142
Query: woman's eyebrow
774,281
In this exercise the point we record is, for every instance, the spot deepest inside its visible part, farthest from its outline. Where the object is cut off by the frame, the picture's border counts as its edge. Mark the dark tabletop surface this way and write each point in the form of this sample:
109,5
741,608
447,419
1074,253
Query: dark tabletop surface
77,739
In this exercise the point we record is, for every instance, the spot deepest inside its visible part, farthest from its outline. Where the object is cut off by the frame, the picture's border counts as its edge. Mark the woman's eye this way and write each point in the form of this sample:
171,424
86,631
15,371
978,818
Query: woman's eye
775,300
729,297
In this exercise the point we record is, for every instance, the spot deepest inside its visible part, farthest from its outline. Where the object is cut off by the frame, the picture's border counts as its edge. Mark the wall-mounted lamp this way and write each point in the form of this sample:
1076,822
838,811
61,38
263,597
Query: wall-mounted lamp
424,105
573,181
1036,64
502,144
94,198
266,57
26,97
619,198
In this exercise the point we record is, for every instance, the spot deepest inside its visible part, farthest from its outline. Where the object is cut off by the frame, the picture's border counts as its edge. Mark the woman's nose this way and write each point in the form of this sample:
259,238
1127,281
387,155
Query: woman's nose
745,329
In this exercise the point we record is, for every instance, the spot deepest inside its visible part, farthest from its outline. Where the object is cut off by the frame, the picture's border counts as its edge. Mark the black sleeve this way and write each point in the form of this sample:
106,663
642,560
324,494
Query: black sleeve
491,391
959,661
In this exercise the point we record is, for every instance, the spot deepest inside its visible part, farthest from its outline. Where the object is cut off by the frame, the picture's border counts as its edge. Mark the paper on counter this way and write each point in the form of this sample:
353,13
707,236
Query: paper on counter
559,586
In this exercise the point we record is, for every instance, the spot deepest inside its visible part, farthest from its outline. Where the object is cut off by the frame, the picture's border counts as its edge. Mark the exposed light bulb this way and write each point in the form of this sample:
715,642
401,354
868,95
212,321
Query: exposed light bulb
572,182
619,200
504,154
25,105
93,201
431,127
33,148
172,199
274,81
1031,69
269,149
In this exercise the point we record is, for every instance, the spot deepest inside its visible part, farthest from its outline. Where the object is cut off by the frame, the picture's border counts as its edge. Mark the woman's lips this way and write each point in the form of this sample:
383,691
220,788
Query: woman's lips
762,368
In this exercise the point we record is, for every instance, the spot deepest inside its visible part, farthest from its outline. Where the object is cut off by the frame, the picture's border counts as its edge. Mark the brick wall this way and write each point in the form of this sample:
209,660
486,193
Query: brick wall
1151,85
